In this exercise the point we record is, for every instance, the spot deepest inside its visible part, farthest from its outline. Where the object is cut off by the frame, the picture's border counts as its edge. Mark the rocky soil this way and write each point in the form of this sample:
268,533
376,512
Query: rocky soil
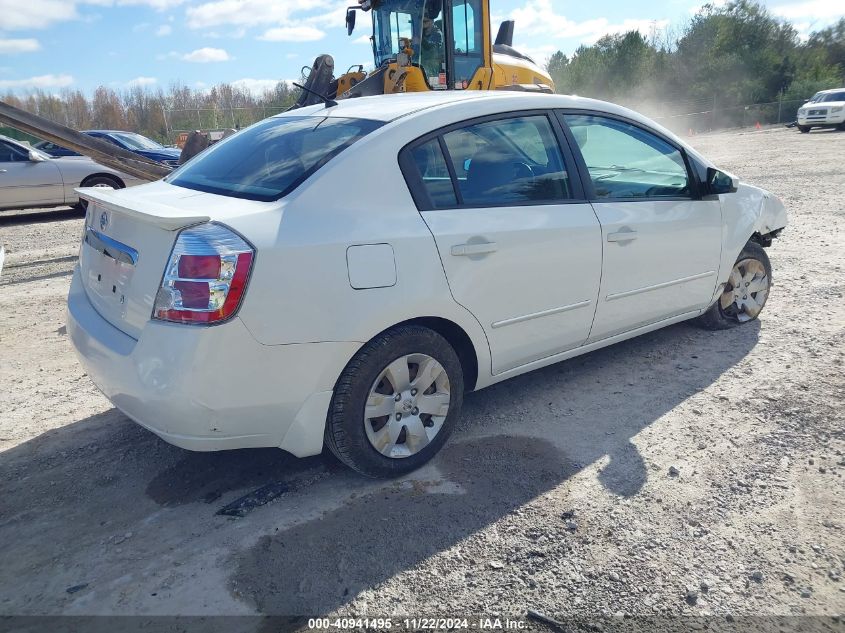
681,473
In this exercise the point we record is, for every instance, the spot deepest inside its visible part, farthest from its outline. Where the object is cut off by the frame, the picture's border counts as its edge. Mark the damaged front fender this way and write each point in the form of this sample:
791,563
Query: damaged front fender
749,212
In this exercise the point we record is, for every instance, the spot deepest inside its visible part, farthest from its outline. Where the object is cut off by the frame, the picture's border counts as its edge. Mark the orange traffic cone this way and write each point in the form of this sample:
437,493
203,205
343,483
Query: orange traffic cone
758,126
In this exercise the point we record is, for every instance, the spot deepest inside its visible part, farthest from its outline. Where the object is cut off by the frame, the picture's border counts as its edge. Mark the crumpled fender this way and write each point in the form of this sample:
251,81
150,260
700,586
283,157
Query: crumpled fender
748,211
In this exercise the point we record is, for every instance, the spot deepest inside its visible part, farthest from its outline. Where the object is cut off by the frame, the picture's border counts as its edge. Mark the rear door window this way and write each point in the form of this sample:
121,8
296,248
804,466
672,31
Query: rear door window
431,164
498,162
508,161
270,159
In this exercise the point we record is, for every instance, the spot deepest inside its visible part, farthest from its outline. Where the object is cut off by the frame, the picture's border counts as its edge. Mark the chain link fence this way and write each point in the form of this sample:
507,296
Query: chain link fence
207,119
742,116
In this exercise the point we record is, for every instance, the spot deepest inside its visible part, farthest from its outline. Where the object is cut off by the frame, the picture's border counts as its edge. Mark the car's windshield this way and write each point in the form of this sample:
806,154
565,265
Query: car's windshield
415,23
832,96
270,159
135,141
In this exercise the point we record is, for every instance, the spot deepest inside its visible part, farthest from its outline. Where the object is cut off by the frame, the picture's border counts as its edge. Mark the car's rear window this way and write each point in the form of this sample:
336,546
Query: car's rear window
270,159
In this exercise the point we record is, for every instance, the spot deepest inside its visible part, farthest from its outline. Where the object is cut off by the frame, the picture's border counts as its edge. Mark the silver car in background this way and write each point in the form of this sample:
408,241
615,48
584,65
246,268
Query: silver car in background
31,178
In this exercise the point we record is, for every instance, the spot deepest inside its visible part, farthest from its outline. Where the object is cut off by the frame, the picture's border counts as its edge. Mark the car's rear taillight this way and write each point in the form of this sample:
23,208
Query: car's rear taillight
206,276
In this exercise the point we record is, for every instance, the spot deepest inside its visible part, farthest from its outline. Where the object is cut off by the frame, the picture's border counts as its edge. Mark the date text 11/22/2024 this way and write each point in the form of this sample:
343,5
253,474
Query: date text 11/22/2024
420,624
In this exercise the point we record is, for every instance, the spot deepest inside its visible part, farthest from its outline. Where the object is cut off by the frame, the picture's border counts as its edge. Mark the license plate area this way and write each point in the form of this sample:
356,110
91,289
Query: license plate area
108,269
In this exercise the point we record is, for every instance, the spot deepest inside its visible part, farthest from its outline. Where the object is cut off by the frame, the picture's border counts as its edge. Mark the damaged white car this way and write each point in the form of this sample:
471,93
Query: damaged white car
341,274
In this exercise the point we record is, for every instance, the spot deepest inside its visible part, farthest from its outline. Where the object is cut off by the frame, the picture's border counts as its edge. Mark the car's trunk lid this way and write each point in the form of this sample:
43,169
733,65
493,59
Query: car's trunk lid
128,237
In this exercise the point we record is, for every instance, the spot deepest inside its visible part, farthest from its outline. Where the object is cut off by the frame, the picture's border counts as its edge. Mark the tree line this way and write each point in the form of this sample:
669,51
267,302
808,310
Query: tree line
730,55
156,113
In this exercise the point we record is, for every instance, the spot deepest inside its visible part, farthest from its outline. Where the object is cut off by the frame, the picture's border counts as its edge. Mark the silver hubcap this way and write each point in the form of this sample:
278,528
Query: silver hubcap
747,290
407,405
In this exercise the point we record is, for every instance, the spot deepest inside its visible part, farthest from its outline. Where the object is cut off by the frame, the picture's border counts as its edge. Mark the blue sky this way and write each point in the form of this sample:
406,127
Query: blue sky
81,44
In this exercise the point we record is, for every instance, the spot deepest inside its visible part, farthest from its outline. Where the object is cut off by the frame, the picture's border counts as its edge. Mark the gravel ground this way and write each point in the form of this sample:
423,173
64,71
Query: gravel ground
681,473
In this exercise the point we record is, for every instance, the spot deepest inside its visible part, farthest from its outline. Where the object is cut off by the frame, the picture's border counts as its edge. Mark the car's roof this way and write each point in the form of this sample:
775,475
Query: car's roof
391,107
824,92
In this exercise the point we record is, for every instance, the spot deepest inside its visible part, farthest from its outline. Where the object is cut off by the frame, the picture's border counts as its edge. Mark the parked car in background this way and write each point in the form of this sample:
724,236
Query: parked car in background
30,178
247,300
826,109
130,141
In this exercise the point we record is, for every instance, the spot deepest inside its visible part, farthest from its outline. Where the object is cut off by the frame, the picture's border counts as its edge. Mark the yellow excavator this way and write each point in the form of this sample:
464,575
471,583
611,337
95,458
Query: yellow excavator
423,45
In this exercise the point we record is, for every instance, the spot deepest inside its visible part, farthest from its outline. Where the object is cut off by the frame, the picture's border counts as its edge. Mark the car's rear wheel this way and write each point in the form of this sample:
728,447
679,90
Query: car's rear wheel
396,402
745,293
105,182
804,129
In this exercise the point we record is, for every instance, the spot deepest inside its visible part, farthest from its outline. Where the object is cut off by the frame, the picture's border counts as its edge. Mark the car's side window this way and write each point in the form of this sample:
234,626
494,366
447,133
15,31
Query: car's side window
626,161
508,161
10,154
431,164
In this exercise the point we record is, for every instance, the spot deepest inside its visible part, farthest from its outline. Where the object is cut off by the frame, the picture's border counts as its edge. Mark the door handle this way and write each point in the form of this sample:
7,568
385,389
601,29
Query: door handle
622,236
461,250
2,171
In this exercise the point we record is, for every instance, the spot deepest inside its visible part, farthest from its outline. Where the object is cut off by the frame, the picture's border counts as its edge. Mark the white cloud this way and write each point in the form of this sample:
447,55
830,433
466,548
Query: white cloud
538,18
815,9
293,34
9,47
205,55
142,81
250,12
256,86
158,5
364,39
39,82
35,14
163,30
39,14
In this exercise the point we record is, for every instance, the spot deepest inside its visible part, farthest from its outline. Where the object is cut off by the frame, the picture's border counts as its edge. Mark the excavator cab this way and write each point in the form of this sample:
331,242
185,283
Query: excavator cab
421,45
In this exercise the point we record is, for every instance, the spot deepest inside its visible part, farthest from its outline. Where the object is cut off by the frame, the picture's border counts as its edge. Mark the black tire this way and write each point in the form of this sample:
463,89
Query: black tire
716,318
93,181
346,436
804,129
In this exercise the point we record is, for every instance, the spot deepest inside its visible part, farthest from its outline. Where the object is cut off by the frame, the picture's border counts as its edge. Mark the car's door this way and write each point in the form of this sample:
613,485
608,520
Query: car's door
520,246
662,242
24,182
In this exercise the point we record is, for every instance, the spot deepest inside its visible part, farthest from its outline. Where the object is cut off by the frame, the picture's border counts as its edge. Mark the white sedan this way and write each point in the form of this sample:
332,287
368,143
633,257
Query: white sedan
31,178
341,275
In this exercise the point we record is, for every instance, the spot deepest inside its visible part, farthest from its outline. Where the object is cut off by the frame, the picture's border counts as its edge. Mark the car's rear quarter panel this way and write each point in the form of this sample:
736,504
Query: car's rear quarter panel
300,290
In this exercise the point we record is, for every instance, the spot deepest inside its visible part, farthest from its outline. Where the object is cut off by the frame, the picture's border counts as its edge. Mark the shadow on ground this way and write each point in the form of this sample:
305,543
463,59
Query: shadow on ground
40,216
74,487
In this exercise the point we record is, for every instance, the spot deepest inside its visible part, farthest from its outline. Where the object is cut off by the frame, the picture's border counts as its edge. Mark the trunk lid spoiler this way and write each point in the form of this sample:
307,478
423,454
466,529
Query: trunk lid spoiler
148,211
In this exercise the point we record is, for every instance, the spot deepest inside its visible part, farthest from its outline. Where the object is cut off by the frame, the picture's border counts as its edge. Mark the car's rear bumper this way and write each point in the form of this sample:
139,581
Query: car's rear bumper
210,388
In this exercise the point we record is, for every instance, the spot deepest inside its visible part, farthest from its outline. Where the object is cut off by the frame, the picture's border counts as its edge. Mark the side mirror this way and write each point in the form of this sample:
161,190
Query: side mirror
35,157
721,182
350,21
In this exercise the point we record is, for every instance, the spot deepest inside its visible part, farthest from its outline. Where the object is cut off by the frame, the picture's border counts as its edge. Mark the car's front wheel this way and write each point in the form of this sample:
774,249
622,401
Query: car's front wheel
396,402
746,292
804,129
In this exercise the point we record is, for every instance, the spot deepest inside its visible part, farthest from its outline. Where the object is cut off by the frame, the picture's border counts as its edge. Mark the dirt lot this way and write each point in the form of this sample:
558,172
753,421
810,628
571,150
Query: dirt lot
555,493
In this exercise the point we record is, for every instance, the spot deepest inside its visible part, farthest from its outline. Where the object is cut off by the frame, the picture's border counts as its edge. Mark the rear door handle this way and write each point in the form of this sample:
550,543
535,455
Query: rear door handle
622,236
461,250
